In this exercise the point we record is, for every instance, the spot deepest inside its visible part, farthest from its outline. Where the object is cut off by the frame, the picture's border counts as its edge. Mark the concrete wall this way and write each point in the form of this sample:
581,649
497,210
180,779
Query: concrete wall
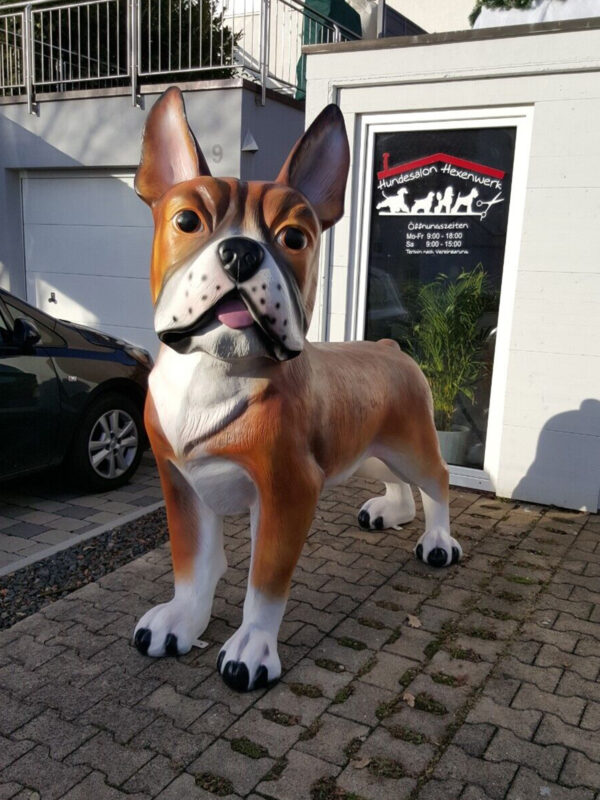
547,420
436,15
105,131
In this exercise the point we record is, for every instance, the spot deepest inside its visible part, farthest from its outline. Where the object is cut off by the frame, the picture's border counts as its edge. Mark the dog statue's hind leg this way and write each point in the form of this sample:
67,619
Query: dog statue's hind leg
394,509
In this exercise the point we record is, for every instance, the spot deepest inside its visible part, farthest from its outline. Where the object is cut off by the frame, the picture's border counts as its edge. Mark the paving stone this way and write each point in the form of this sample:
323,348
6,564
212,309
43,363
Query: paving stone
387,671
328,682
116,761
60,736
36,770
522,723
382,744
9,790
95,786
331,740
14,713
456,765
221,759
579,770
553,730
528,785
546,760
185,788
573,686
569,709
12,750
306,709
435,790
474,739
161,736
152,777
545,678
363,704
121,721
276,738
181,709
591,717
363,783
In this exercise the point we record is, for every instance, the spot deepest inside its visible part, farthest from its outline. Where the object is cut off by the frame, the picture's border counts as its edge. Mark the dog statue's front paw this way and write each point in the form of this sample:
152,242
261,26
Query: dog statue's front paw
438,549
249,659
169,629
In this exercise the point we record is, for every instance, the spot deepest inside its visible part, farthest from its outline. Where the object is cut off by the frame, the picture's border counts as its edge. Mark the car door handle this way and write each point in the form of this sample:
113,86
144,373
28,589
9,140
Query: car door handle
52,298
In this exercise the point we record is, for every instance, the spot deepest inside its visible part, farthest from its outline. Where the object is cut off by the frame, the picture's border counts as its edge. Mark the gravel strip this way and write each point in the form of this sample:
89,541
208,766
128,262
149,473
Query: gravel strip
29,589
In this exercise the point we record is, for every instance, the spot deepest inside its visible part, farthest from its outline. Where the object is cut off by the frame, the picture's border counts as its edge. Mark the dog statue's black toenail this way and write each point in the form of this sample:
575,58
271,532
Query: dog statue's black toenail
419,552
261,680
455,555
171,645
236,676
142,640
437,557
220,660
364,520
378,524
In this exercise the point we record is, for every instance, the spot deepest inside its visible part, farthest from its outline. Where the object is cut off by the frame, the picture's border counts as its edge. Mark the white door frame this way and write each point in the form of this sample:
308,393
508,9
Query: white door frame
520,118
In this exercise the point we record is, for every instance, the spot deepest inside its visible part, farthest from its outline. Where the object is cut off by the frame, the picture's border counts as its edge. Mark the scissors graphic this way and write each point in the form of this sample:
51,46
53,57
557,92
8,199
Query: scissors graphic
488,204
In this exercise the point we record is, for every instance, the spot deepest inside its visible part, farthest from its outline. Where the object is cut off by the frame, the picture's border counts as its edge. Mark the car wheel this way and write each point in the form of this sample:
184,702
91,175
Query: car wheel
109,443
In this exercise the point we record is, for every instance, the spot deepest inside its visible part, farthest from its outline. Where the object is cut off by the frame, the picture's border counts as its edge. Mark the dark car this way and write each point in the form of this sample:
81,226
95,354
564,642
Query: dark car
68,395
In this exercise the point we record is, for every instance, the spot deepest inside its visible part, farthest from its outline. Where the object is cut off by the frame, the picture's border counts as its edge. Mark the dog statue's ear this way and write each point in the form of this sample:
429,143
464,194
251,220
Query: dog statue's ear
318,165
170,152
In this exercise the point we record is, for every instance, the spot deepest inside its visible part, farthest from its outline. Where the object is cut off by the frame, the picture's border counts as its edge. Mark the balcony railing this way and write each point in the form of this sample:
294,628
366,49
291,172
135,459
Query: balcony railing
55,47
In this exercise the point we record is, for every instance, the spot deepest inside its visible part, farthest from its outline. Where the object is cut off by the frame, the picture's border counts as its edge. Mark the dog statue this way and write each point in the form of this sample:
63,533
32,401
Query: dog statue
242,411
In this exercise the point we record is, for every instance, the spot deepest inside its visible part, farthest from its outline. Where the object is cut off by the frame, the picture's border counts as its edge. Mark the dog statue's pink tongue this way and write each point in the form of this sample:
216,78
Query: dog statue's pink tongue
234,314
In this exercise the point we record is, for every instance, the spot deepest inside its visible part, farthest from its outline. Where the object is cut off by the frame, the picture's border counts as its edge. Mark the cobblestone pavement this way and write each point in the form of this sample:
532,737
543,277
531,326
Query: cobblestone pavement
489,689
39,516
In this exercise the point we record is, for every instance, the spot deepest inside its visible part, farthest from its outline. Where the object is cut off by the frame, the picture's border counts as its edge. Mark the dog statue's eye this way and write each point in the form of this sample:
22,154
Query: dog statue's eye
292,238
188,221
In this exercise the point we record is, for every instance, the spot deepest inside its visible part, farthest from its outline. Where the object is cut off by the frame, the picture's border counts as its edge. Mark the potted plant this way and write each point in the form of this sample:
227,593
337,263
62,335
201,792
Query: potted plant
447,343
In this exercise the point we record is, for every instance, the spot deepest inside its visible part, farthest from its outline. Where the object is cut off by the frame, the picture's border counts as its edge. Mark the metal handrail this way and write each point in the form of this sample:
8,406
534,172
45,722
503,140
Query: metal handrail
49,45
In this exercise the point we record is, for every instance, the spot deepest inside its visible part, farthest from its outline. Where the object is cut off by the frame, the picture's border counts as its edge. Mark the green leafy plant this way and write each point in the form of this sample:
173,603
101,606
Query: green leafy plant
448,338
497,4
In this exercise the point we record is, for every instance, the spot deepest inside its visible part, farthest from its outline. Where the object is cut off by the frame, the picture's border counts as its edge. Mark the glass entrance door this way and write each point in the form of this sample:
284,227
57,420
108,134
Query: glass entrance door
439,207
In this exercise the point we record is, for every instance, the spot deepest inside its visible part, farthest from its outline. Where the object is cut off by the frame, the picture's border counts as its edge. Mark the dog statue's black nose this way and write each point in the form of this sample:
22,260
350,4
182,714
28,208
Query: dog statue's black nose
241,257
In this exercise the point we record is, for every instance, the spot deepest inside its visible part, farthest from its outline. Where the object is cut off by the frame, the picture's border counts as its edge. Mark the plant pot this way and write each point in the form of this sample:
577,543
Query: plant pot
453,445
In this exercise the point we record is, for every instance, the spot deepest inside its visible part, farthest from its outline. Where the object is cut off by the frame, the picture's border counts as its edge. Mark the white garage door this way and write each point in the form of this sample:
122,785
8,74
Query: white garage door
87,252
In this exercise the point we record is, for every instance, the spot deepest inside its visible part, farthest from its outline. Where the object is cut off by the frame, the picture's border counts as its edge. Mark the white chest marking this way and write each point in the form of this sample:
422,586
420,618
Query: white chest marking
195,396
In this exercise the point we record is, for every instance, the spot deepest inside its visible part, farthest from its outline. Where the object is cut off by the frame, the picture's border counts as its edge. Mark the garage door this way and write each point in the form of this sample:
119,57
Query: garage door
87,252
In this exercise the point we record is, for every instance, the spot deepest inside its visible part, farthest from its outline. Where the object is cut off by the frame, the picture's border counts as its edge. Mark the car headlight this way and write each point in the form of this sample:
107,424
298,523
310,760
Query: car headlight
140,355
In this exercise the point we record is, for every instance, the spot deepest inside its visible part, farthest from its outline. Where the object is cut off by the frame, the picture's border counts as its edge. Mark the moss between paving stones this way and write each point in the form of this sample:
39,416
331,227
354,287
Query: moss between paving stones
327,789
425,702
445,679
305,690
465,654
343,694
407,734
481,633
353,644
276,770
388,605
29,589
279,717
369,664
332,666
353,746
311,731
408,676
371,623
214,784
249,748
385,768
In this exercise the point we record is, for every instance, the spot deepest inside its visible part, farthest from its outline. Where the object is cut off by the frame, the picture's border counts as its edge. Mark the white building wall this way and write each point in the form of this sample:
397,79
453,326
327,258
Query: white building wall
548,421
435,16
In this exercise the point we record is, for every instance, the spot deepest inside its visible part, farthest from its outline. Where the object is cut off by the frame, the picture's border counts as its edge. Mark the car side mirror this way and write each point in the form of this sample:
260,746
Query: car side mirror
25,334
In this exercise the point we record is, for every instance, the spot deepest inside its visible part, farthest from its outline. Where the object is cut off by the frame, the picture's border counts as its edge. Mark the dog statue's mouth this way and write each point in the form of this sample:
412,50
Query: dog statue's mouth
234,313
